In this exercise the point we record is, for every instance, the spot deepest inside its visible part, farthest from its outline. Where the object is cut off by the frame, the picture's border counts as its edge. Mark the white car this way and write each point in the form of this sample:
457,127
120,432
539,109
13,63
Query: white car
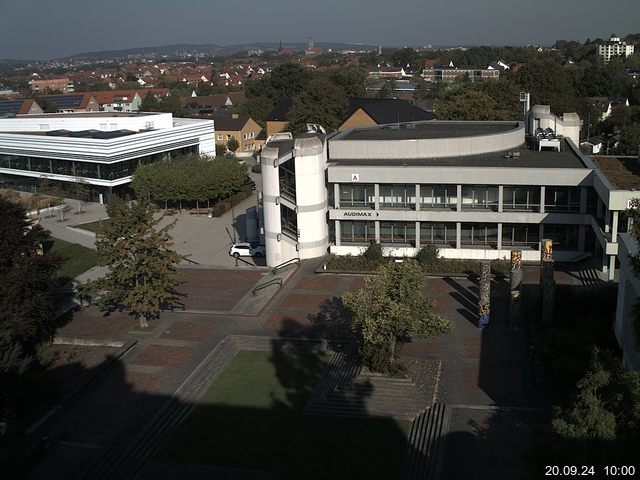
246,249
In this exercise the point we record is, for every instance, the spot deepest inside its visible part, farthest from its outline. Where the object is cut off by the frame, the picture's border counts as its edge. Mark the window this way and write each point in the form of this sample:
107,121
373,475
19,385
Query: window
439,196
521,198
357,232
438,234
565,237
289,222
479,197
356,195
479,234
398,233
562,199
397,196
520,235
219,137
228,137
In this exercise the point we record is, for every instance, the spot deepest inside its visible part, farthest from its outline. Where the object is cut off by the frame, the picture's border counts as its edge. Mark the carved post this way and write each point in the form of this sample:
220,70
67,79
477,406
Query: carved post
516,269
484,303
515,303
548,289
515,310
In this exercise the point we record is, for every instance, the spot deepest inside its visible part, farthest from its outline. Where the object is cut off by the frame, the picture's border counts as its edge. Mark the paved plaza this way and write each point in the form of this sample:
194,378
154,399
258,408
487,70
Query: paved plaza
480,370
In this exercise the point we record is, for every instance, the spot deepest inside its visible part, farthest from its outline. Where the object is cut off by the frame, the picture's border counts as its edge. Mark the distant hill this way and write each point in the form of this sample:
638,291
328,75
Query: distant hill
210,49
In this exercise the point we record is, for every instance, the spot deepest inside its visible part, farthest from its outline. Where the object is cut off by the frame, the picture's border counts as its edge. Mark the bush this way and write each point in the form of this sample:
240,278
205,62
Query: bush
427,255
374,252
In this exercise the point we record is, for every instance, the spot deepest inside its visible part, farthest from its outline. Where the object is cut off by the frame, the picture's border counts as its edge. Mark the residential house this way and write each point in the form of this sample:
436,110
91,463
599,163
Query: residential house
210,104
366,112
73,102
241,127
19,106
277,120
62,84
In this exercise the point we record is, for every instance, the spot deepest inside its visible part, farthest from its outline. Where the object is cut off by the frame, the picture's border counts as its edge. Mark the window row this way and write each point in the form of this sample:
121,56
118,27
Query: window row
565,237
480,197
103,171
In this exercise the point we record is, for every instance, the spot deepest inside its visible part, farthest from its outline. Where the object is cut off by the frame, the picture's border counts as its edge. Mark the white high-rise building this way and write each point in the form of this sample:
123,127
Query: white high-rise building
614,48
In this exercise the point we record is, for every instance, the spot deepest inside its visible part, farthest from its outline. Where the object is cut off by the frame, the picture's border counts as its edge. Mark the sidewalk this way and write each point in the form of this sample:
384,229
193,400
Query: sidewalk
91,212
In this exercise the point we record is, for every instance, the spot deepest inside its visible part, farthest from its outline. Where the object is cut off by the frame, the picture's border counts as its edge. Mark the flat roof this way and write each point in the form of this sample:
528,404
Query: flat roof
88,114
427,130
622,172
527,159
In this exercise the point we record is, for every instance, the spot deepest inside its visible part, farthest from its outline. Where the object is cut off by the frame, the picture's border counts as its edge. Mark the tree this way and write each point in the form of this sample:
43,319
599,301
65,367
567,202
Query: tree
171,104
142,275
549,84
288,80
149,103
232,144
630,139
388,89
28,282
603,422
390,307
469,105
320,102
81,191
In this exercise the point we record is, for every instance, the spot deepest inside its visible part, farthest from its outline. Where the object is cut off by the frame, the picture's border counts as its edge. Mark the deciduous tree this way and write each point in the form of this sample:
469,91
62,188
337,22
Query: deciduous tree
142,275
390,307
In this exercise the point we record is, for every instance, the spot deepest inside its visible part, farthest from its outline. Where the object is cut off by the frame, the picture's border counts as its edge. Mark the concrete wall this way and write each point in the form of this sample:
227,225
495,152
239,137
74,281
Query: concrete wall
428,147
311,196
628,295
97,121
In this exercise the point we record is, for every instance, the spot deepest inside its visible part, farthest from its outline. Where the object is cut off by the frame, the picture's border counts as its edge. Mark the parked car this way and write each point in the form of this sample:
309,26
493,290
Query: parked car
246,249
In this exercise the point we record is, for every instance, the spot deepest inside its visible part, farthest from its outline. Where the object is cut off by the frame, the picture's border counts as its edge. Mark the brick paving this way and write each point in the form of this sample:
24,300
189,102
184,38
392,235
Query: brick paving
163,356
189,331
477,367
215,289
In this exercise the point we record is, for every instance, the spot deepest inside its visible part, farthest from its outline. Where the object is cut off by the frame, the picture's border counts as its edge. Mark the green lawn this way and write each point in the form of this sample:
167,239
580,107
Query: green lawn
94,226
77,259
251,418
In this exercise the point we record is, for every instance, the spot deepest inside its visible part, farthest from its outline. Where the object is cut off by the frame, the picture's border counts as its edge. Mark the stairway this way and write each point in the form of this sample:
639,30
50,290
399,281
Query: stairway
425,444
346,390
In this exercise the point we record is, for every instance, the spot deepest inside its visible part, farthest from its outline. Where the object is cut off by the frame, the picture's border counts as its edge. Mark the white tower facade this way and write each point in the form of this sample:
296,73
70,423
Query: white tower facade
294,197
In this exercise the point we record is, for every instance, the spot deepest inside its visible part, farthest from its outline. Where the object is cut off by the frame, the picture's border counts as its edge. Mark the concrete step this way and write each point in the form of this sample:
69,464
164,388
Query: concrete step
424,446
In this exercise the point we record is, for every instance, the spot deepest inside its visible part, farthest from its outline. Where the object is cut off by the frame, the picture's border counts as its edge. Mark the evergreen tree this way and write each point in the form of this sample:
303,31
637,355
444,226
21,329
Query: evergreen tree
142,274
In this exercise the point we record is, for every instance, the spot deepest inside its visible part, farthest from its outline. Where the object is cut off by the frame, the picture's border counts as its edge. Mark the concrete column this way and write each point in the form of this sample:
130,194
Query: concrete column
583,200
458,233
337,232
376,195
614,227
599,208
336,195
499,246
417,197
418,235
581,237
500,201
459,200
377,231
612,267
542,194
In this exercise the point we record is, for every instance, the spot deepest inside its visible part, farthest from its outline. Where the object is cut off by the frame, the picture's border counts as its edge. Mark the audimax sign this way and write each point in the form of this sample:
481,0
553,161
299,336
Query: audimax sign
360,214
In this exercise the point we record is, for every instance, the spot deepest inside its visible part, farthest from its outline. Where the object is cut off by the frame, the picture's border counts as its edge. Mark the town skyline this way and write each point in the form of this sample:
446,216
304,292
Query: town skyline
94,27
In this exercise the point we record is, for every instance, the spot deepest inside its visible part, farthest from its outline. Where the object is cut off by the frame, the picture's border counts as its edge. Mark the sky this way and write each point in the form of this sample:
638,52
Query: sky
45,29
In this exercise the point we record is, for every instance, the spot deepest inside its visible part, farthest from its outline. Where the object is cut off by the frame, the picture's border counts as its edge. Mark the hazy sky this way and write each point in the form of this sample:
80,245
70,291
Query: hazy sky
37,29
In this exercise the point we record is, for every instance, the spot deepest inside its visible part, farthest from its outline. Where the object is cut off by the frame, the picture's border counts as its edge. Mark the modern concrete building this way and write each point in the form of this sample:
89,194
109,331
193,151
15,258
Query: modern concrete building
628,295
614,48
101,149
472,189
